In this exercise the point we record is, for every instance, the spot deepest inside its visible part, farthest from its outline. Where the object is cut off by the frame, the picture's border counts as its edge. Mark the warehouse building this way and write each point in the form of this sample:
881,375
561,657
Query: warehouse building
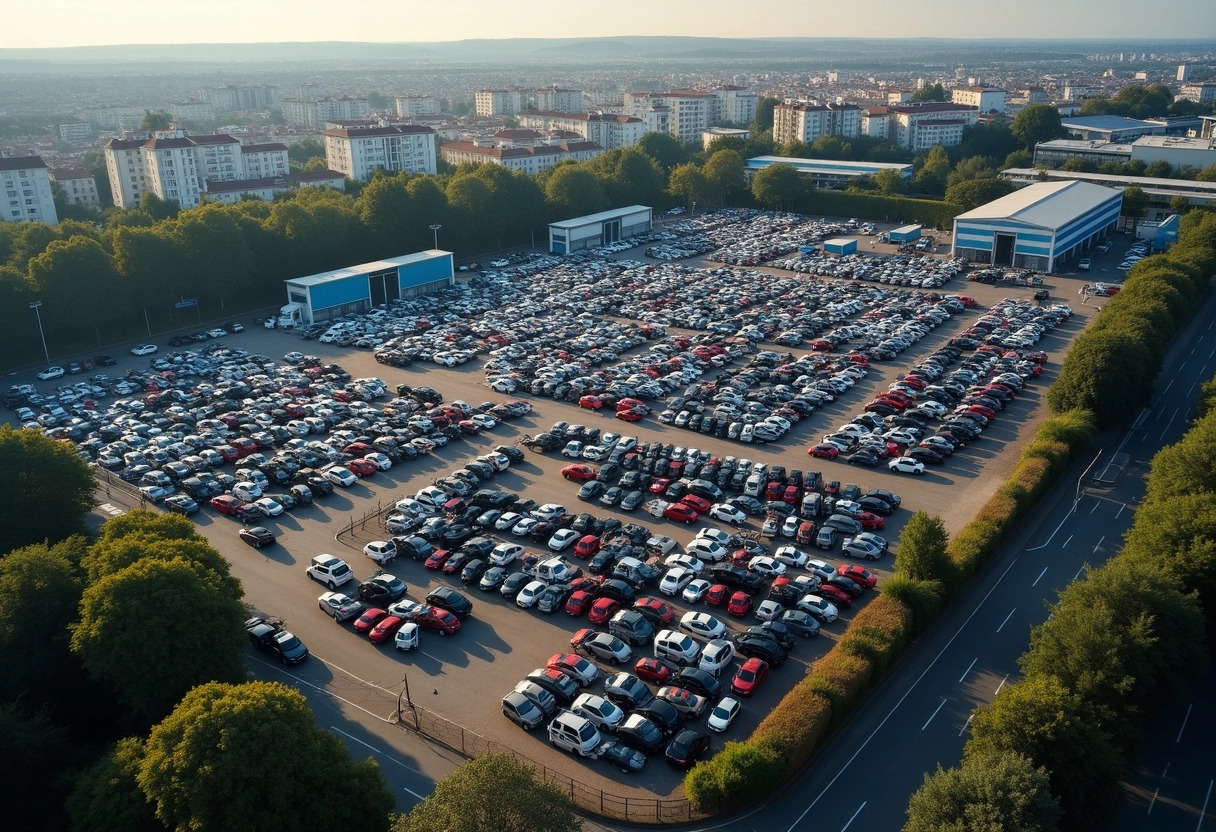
320,297
826,173
1160,191
1038,227
599,229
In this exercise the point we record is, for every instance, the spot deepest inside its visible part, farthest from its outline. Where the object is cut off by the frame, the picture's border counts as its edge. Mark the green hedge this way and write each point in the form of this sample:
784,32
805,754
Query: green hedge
877,207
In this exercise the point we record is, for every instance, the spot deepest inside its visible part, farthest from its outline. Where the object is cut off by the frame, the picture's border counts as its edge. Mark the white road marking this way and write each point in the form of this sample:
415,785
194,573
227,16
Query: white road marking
1001,685
1154,800
1204,811
1189,389
1120,511
902,699
1041,574
1185,719
930,719
1006,621
968,670
1079,571
1098,545
855,814
1095,508
320,689
382,753
1050,538
1066,542
966,724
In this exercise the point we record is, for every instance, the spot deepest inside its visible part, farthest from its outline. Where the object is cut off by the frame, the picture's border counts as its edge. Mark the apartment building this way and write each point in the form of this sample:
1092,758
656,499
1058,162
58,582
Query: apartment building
259,161
513,100
985,99
608,130
237,99
919,126
412,106
530,160
192,111
267,188
172,170
1199,93
807,122
686,114
108,117
317,113
732,105
76,131
79,185
358,152
25,190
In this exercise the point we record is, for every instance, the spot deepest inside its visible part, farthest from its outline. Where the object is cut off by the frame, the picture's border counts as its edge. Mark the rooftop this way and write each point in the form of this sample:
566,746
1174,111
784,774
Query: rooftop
21,162
578,222
368,268
1048,205
1106,123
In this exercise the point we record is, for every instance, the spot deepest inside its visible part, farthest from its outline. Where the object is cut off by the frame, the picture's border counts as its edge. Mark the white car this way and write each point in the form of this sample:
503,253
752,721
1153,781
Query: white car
505,554
483,421
599,711
790,556
507,521
819,607
689,562
820,569
789,528
502,385
382,462
340,476
549,511
906,465
695,591
766,566
340,607
703,624
563,539
675,580
381,551
217,332
573,449
143,349
247,491
269,507
769,610
723,714
528,596
412,506
706,549
51,373
727,514
525,526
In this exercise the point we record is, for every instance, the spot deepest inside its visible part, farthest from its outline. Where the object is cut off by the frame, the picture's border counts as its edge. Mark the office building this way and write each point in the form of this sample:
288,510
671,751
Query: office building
411,106
25,190
1110,128
79,185
528,159
985,99
608,130
807,122
358,152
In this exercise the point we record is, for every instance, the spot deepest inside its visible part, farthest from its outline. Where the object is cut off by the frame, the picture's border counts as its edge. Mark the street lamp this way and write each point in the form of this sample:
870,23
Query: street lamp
435,230
694,208
34,304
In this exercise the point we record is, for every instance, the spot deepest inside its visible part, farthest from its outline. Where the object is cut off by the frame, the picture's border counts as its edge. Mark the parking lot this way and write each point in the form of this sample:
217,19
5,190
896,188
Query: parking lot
464,676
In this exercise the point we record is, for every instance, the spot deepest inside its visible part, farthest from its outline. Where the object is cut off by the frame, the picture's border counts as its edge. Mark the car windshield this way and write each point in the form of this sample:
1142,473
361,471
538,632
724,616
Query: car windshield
722,713
586,732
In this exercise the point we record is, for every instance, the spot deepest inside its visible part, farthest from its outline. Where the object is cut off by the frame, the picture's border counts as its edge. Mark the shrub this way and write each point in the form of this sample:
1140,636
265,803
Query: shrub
740,772
795,727
923,599
878,632
842,678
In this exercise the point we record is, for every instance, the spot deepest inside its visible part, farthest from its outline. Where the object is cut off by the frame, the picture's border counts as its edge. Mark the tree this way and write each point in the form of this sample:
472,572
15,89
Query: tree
751,769
778,186
155,120
1043,722
1107,372
80,275
688,183
305,149
930,92
107,797
151,661
1037,123
932,175
922,550
251,756
987,793
971,168
1180,204
33,751
764,114
158,209
217,257
1135,202
628,176
144,258
990,139
976,192
1207,174
1159,169
890,182
572,191
664,149
492,793
724,172
48,489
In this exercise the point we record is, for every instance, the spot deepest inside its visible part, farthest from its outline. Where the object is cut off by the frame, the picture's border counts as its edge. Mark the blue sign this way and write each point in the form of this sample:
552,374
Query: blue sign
186,302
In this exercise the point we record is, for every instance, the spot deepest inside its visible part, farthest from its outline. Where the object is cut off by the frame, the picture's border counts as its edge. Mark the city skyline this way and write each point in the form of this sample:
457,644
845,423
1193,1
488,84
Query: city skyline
70,23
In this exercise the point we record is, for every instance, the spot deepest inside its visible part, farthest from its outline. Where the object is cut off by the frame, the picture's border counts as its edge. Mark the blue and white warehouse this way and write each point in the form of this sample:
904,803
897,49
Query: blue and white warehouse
1039,227
320,297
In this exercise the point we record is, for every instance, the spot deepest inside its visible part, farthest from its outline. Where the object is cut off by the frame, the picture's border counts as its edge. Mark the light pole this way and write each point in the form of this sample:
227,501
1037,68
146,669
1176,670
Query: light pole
435,230
34,304
694,208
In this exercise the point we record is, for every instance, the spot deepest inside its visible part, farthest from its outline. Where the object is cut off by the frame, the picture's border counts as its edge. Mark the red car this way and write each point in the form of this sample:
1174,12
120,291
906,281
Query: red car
438,558
587,546
243,447
858,574
361,467
438,621
602,610
750,675
590,402
653,609
659,485
869,520
227,504
983,410
652,670
385,629
698,504
579,602
773,491
370,618
824,451
579,473
740,604
837,596
792,495
680,513
631,404
717,595
631,415
358,449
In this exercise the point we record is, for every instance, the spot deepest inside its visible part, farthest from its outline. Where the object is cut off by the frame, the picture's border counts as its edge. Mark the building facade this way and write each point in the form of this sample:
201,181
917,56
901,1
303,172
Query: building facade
267,188
708,136
237,99
922,126
259,161
411,106
317,113
984,99
79,185
826,173
513,100
1199,93
608,130
807,122
685,114
25,190
358,152
530,160
76,131
192,111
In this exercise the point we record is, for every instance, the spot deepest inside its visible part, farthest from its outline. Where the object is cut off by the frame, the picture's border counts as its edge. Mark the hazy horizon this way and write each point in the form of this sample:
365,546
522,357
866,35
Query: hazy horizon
74,23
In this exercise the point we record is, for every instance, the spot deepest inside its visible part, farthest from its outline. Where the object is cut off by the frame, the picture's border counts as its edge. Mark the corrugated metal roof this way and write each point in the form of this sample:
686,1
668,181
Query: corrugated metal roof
579,222
368,268
1048,205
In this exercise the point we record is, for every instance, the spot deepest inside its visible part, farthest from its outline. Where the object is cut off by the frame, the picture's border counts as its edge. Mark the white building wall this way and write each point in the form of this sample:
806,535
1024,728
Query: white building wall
25,193
263,163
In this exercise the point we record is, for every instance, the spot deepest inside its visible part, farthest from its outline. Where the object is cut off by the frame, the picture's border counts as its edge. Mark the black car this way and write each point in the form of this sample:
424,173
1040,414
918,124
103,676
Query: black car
257,536
698,681
473,570
632,500
776,631
757,646
618,590
553,597
591,490
513,584
846,585
864,456
563,688
627,691
104,361
686,748
624,757
748,505
662,714
640,733
797,621
413,547
735,577
381,589
875,505
450,600
278,642
603,562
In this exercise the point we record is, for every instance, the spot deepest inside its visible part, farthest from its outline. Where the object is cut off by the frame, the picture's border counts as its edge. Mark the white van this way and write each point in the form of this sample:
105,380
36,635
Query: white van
407,637
678,648
717,656
574,733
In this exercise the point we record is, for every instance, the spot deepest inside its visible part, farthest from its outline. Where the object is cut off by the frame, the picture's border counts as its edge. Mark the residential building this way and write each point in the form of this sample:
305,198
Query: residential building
217,157
513,100
1199,93
267,188
827,173
411,106
125,166
234,99
25,190
807,122
876,122
922,126
76,131
530,160
985,99
192,111
109,117
491,103
172,171
708,136
1079,92
732,105
360,151
899,97
608,130
686,114
317,113
259,161
79,185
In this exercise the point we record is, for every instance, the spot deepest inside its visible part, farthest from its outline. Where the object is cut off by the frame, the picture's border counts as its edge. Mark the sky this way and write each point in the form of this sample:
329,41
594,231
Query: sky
56,23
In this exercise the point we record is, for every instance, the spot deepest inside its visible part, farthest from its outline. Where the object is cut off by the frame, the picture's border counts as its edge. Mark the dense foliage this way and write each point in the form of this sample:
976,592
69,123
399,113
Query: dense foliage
48,488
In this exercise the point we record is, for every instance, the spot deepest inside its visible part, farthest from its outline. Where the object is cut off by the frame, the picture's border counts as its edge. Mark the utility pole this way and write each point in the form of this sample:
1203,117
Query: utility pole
35,304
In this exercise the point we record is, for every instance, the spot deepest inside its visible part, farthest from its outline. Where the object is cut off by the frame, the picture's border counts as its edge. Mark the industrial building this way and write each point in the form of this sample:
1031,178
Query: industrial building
1160,191
332,294
598,229
1177,151
1111,128
1038,227
826,173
